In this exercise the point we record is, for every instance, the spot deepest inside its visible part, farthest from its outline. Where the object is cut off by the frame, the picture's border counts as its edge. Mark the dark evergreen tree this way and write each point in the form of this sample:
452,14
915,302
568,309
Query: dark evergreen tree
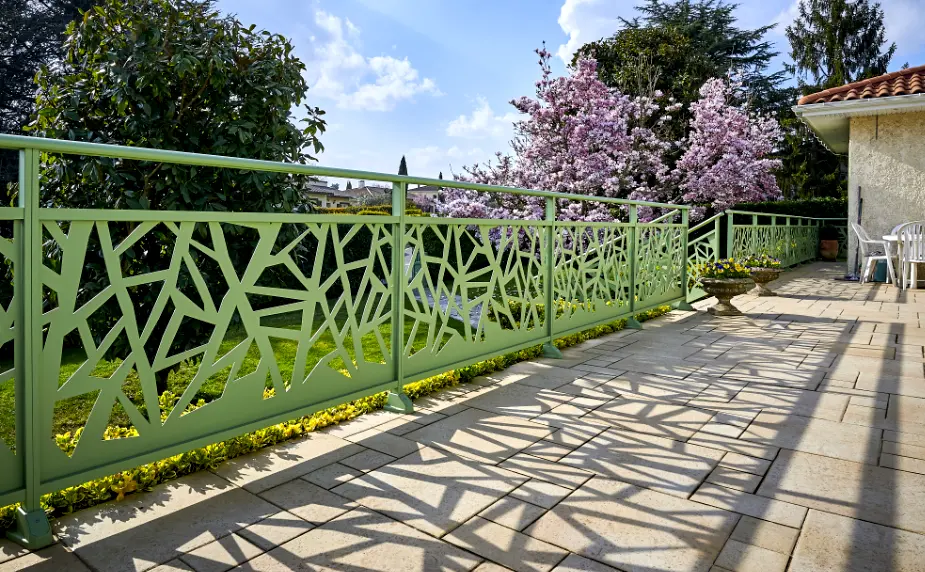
834,42
403,166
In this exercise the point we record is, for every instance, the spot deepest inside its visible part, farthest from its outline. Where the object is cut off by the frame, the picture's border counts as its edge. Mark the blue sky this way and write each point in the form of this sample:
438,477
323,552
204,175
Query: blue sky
431,79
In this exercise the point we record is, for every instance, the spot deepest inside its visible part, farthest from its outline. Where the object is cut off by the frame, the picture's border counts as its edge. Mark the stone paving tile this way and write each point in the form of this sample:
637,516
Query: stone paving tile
739,446
367,541
366,461
655,387
384,442
182,515
10,550
481,435
332,475
903,449
876,494
510,548
540,493
546,450
745,463
307,501
903,463
275,530
513,513
575,563
562,416
221,555
545,470
273,466
652,462
730,478
176,565
744,503
650,417
765,534
740,557
833,543
430,490
790,401
817,436
491,567
631,528
52,559
575,435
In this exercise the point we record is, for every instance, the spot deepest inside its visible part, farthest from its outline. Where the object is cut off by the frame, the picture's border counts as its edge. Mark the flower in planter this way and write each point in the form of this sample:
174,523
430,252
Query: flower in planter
761,261
725,268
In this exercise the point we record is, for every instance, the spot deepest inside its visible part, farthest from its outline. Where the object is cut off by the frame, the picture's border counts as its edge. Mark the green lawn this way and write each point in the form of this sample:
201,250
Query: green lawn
73,413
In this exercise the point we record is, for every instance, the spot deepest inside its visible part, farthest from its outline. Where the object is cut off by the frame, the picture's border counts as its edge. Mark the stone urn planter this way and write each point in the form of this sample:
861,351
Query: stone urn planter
762,276
828,249
724,289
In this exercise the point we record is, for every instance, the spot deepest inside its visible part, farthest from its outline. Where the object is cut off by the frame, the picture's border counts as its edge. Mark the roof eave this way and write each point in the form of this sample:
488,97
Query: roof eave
830,121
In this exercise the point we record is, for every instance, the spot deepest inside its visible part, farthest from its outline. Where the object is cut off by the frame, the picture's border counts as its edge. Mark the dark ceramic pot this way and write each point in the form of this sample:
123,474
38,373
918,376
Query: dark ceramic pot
828,249
762,276
724,289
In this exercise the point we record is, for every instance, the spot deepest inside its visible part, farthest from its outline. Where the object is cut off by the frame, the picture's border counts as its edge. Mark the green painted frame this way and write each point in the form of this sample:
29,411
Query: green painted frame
452,281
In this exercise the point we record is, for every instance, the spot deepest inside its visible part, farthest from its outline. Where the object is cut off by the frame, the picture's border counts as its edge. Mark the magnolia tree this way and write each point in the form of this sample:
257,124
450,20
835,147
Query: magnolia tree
579,137
727,157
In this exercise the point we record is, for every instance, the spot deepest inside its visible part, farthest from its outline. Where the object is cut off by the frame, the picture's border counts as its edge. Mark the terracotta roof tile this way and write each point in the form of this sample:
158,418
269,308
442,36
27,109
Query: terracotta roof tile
904,82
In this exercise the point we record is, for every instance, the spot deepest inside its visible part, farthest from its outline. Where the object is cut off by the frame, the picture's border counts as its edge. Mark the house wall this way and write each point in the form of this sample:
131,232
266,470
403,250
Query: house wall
886,160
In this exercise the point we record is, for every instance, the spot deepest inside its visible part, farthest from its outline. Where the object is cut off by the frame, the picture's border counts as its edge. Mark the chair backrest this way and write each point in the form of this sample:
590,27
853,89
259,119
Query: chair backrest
859,230
912,236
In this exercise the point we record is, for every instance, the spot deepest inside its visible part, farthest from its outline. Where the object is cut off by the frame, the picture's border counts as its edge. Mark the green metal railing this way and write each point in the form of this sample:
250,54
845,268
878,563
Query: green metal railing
481,288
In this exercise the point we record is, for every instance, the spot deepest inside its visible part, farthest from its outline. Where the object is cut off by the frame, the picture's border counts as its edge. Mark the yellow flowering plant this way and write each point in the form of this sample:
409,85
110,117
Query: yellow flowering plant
761,261
725,268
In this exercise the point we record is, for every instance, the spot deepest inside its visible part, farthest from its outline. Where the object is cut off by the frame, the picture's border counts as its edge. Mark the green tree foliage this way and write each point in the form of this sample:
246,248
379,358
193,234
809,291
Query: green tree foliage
31,35
173,74
403,166
834,42
676,46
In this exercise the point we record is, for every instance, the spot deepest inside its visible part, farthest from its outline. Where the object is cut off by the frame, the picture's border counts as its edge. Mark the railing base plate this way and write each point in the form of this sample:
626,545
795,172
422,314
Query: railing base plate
633,324
551,351
31,529
399,403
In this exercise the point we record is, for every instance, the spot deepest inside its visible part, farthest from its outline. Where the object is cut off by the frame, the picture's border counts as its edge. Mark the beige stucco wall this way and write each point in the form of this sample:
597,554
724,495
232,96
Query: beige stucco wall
886,160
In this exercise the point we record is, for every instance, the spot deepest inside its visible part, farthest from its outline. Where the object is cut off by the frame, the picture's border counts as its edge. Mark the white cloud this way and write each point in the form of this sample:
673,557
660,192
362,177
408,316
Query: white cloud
338,70
482,123
431,160
904,21
590,20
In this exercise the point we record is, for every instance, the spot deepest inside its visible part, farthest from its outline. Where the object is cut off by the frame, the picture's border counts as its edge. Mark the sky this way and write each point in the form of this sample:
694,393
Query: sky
432,79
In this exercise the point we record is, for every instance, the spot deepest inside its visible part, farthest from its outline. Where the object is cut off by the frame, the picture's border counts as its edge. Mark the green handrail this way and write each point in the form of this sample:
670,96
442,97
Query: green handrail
484,287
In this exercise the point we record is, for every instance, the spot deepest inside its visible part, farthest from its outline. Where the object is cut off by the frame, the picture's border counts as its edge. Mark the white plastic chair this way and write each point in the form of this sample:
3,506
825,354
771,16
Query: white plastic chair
911,251
872,250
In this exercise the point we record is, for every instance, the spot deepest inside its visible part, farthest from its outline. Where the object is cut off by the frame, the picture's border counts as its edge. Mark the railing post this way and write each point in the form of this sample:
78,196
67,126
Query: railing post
684,302
787,248
632,243
549,348
31,528
730,232
397,400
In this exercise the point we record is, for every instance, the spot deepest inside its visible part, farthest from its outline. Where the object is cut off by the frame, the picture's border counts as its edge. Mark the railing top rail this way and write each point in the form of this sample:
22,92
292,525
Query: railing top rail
704,223
219,161
731,211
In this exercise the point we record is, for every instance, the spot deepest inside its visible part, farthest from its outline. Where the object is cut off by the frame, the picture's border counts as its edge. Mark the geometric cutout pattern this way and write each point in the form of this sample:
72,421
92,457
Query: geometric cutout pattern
591,273
321,273
792,244
660,261
11,477
470,290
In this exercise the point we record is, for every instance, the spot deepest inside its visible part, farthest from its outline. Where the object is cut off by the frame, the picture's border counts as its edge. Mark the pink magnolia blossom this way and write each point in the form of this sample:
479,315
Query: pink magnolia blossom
727,157
578,137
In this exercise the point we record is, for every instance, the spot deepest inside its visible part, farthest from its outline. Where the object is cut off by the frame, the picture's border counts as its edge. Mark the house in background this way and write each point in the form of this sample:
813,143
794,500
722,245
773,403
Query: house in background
879,123
325,196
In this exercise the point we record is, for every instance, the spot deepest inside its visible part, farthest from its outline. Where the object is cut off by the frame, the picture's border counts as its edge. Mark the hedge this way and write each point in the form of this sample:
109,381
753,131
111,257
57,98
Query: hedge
825,207
145,477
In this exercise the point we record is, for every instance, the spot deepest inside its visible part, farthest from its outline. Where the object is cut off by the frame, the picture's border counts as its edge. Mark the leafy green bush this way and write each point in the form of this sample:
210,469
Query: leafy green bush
826,207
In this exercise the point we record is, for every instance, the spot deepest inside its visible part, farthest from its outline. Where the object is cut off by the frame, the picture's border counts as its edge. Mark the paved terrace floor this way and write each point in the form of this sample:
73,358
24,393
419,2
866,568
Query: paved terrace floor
789,439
